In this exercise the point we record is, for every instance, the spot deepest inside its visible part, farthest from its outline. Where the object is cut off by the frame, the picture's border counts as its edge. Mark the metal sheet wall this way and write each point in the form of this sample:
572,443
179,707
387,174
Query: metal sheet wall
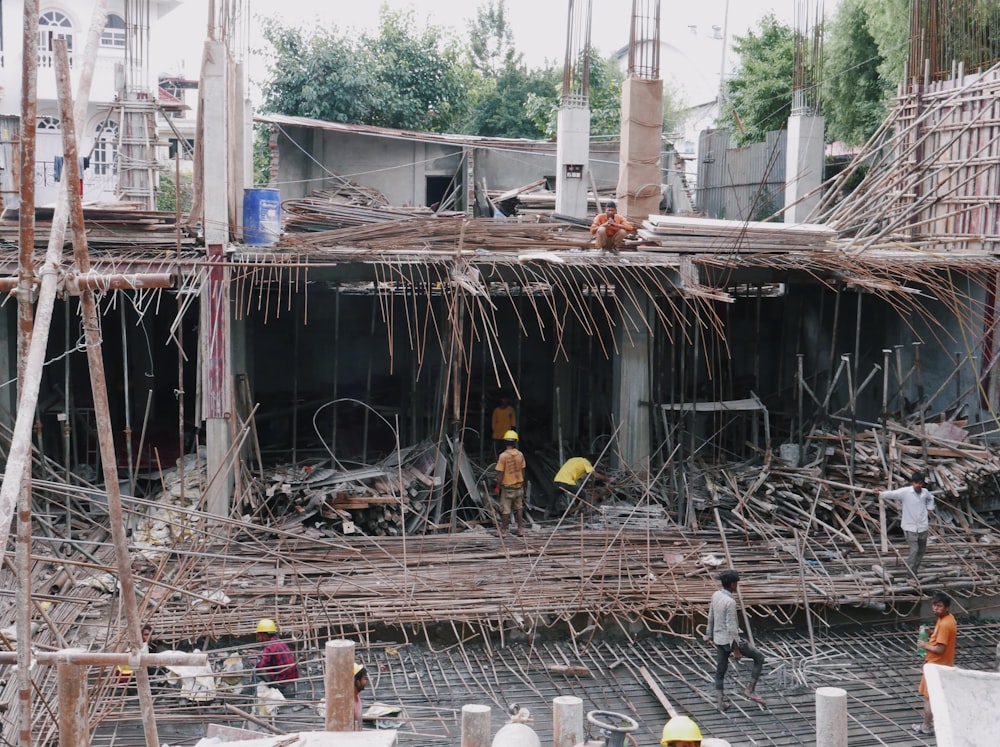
740,183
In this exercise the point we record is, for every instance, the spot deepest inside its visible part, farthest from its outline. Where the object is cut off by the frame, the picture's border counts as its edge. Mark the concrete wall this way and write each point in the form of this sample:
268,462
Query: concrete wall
398,167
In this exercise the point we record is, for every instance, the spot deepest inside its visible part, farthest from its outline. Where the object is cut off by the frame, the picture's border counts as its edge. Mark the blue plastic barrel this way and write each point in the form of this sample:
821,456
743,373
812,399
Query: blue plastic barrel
261,216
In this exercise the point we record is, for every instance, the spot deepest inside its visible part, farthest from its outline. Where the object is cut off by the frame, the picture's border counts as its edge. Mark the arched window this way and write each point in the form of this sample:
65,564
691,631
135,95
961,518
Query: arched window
114,32
53,25
49,124
105,148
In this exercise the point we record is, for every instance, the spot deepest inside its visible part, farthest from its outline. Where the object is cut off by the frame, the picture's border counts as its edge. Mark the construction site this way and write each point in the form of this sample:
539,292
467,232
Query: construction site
205,426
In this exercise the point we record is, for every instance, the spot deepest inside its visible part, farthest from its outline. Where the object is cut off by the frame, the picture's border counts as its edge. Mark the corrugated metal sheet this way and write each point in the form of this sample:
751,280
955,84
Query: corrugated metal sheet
740,183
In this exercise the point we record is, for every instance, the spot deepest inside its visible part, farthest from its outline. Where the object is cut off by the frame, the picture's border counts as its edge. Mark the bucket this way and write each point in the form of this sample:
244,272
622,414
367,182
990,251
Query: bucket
261,216
789,454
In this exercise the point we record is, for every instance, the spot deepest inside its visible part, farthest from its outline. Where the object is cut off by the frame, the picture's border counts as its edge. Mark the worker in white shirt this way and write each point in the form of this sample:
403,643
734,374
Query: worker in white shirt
915,503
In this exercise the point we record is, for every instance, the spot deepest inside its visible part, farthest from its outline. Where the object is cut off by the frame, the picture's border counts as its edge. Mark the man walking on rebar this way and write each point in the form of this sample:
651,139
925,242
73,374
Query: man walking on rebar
915,504
510,484
723,631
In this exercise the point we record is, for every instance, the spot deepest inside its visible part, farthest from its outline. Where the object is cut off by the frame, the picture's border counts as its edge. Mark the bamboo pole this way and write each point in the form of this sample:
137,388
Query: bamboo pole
102,413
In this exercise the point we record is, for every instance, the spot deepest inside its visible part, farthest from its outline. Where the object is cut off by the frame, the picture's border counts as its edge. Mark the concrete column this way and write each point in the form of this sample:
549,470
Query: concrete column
640,172
632,382
567,721
572,161
804,163
71,689
831,717
475,726
338,678
217,380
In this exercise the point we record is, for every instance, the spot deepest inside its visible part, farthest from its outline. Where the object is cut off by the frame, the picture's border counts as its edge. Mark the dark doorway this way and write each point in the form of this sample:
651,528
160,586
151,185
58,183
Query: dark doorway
441,193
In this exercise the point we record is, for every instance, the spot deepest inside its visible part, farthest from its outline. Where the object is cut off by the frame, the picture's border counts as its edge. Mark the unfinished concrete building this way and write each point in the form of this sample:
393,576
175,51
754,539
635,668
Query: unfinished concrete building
300,431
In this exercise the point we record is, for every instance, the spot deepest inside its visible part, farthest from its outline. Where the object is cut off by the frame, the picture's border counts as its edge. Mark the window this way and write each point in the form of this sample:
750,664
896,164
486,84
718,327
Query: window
49,124
53,25
114,32
105,148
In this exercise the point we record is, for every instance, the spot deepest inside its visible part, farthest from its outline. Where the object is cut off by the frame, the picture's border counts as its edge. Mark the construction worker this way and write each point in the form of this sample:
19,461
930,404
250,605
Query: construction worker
609,229
360,682
510,484
504,419
276,665
916,503
569,481
682,731
723,632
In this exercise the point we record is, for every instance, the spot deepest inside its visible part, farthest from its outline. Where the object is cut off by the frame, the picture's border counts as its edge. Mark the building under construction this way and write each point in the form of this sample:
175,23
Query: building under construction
209,428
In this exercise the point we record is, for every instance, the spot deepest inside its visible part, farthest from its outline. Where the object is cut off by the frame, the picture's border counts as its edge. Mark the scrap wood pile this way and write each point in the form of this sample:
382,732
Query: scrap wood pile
119,226
536,198
446,233
346,206
827,499
410,492
675,233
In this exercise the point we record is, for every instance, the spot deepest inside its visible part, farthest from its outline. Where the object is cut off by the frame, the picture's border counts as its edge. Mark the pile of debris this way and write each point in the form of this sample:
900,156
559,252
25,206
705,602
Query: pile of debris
411,492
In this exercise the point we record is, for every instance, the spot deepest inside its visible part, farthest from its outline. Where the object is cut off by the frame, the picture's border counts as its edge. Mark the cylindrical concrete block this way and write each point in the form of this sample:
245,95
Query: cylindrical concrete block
339,682
475,726
831,717
567,721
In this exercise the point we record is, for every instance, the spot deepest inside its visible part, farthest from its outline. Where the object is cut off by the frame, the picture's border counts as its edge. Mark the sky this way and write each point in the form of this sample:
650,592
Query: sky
539,28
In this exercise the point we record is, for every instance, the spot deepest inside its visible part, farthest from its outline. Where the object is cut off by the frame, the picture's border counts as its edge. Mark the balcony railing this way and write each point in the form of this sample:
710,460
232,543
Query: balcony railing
47,58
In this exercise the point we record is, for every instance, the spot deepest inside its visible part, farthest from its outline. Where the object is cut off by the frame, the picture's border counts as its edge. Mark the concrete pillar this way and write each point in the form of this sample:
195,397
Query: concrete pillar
71,690
217,380
632,381
804,165
640,172
567,721
475,726
831,717
338,679
573,161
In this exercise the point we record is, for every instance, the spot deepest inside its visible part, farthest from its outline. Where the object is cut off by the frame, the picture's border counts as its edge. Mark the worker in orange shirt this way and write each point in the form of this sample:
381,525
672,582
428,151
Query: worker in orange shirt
609,229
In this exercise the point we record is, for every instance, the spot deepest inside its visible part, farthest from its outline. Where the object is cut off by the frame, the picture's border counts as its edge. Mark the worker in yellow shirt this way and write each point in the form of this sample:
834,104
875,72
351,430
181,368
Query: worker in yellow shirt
570,479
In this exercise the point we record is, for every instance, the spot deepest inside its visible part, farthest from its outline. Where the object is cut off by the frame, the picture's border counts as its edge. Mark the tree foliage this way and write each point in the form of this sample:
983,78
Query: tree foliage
505,106
759,93
491,41
399,77
889,25
605,99
855,95
424,79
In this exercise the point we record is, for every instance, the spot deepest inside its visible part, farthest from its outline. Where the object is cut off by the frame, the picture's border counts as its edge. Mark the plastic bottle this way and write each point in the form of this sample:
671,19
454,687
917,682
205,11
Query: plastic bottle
924,636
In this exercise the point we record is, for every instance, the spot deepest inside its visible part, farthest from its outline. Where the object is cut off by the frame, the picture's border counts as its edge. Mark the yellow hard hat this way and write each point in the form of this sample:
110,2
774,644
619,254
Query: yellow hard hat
680,729
266,625
358,668
124,669
510,436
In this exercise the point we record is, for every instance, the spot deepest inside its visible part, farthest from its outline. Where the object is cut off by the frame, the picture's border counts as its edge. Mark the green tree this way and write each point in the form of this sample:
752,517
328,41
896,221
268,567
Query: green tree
500,106
889,24
401,76
491,41
605,99
320,74
759,94
855,95
422,84
167,193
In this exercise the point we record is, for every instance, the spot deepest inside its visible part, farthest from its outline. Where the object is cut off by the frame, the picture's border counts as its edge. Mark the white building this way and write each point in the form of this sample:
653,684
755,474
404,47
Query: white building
119,132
